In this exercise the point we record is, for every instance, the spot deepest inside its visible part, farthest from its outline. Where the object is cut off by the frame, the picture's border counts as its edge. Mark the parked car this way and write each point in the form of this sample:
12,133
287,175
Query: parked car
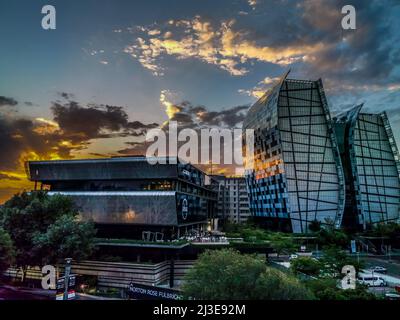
392,296
293,256
372,281
379,269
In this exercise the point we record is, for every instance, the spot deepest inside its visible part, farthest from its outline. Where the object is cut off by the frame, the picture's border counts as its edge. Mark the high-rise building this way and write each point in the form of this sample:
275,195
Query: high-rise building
233,199
295,175
371,168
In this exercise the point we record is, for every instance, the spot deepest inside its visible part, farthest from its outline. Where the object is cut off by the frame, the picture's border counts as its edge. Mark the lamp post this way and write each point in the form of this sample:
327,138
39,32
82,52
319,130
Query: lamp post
67,272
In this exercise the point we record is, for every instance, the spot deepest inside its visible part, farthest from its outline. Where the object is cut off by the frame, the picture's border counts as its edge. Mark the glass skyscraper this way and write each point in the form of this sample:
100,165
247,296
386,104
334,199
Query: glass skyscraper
371,166
295,175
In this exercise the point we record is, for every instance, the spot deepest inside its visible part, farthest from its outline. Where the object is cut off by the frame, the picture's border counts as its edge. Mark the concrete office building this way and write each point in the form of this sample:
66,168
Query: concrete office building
233,199
296,175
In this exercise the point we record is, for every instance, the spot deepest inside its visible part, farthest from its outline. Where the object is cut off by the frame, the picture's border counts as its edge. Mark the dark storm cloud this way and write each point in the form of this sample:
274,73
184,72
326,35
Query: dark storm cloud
19,136
66,95
96,121
193,117
199,116
137,125
136,148
72,129
363,56
367,54
6,101
359,57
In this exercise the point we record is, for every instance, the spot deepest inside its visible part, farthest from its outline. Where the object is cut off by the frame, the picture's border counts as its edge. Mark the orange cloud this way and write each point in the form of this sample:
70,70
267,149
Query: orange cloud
259,90
222,46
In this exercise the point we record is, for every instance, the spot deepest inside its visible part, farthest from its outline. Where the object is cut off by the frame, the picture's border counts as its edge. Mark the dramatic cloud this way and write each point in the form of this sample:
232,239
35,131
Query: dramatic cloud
66,95
196,117
218,44
261,88
252,3
23,139
363,57
73,128
80,123
5,101
305,35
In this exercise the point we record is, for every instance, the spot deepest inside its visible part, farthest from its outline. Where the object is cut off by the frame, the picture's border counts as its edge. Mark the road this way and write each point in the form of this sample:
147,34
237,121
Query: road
17,293
10,293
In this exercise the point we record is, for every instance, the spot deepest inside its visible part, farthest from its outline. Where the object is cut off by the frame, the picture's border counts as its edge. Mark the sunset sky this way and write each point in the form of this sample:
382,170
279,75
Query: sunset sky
113,69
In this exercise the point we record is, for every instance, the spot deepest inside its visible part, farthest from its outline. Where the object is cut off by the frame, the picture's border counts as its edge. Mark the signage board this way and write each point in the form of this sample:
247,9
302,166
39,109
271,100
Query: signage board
145,292
60,287
353,246
185,209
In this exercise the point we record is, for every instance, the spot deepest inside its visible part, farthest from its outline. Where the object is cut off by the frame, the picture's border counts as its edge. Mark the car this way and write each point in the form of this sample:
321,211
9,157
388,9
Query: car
293,256
379,269
372,281
392,296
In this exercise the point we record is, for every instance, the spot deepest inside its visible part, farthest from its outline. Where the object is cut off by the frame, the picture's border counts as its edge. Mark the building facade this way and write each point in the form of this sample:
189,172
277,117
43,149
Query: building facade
128,196
371,167
233,200
295,175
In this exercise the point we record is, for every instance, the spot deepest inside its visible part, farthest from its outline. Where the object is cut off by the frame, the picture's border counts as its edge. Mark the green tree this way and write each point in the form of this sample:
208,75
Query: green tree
7,252
227,274
31,221
388,230
248,232
330,236
276,285
65,238
327,289
306,265
334,259
314,226
282,243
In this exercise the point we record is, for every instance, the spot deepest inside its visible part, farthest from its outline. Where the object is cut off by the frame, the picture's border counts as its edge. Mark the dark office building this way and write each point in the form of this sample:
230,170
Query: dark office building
371,167
127,196
296,175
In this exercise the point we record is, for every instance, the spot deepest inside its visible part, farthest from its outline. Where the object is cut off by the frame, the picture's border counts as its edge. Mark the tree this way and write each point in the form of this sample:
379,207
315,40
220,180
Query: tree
29,217
282,243
314,226
65,238
306,265
330,236
388,230
334,259
276,285
7,252
248,232
226,274
327,289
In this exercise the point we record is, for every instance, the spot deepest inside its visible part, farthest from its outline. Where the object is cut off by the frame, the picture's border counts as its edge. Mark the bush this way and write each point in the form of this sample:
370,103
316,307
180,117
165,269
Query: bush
276,285
329,237
327,289
334,259
306,265
228,275
7,252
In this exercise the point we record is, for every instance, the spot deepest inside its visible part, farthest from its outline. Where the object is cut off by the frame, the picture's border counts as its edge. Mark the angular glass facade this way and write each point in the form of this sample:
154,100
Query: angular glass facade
371,163
296,174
